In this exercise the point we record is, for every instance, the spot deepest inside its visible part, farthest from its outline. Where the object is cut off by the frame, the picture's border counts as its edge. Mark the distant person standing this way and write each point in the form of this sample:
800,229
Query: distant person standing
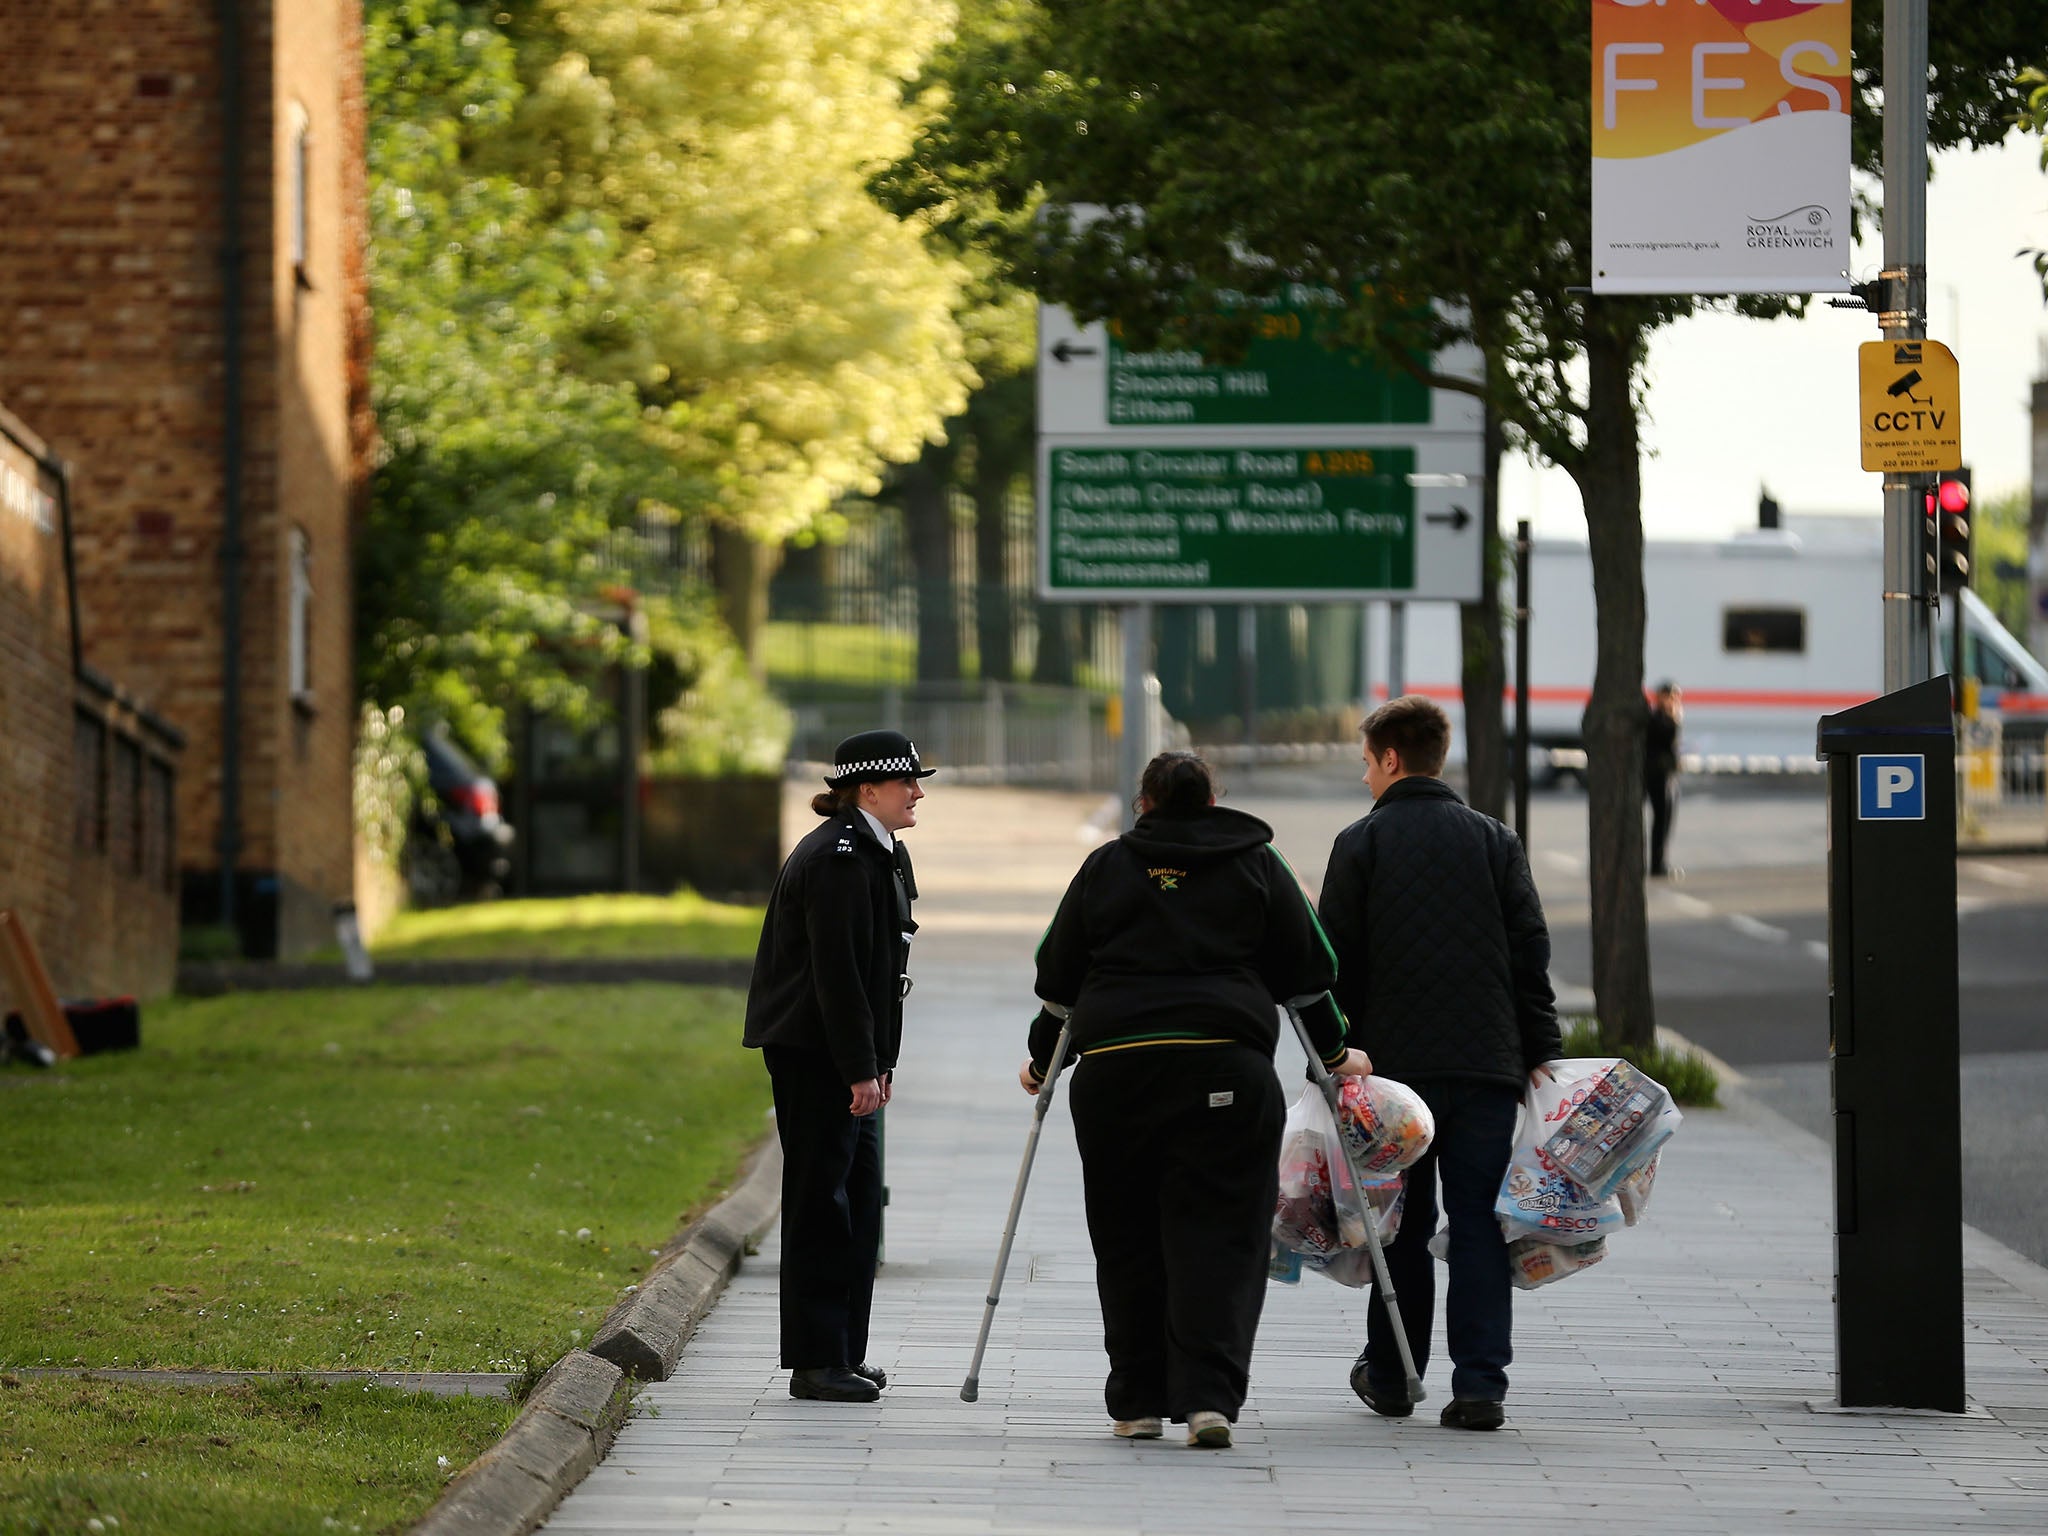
1443,969
1660,770
825,1008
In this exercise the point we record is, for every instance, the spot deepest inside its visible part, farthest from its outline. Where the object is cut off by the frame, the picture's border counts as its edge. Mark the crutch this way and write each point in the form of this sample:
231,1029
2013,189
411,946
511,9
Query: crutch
1328,1084
970,1389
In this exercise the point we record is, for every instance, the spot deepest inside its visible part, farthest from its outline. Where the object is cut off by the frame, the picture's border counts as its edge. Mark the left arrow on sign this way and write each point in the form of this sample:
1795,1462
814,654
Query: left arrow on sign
1066,351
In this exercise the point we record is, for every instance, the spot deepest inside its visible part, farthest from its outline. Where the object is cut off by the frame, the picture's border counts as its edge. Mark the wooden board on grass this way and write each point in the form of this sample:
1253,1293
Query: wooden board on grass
28,985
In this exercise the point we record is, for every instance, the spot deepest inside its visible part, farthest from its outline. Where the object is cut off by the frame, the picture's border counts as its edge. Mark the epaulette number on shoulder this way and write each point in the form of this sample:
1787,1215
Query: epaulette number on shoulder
844,845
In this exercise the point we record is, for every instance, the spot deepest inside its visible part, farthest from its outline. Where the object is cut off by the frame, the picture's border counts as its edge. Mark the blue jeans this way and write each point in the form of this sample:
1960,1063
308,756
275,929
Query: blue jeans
1475,1128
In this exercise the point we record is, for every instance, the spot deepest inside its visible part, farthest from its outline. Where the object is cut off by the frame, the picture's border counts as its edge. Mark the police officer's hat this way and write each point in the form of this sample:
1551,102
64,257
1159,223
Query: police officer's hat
870,757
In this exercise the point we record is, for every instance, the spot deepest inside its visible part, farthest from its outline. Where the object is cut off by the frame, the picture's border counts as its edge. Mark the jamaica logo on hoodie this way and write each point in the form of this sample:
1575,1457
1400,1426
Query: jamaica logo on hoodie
1169,879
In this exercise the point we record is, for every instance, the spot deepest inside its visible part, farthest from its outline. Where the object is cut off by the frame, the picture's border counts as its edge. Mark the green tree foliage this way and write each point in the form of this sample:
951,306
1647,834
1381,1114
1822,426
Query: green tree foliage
1998,557
2033,118
788,335
1417,149
504,467
625,270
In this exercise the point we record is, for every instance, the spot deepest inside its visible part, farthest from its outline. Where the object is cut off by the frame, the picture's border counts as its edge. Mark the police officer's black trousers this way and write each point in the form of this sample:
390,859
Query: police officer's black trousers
1661,789
1180,1149
831,1211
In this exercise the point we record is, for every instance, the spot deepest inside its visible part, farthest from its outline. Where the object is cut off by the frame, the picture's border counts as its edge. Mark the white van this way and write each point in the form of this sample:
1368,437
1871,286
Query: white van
1764,631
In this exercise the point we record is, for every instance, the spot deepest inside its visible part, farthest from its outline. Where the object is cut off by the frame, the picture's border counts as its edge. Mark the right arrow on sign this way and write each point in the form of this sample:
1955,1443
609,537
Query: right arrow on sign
1457,517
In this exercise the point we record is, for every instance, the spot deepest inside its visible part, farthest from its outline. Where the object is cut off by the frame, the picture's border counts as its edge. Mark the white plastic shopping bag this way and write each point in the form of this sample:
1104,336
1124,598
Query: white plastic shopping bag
1604,1119
1537,1198
1385,1123
1321,1208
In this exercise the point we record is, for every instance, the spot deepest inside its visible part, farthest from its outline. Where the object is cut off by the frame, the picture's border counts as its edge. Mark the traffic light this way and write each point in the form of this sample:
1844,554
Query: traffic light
1948,530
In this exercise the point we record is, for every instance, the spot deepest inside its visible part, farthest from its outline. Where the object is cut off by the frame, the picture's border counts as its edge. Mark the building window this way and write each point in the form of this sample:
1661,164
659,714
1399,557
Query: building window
1764,629
300,639
124,807
89,782
159,827
302,175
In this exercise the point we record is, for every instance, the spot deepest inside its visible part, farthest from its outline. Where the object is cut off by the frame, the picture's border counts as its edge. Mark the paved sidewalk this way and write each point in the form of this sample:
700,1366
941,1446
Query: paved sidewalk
1684,1385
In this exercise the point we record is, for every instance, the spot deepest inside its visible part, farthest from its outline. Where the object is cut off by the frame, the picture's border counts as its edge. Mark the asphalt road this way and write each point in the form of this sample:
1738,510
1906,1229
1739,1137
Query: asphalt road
1739,957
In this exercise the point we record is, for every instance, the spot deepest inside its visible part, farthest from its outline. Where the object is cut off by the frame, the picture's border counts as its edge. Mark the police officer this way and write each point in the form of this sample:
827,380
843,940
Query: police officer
825,1008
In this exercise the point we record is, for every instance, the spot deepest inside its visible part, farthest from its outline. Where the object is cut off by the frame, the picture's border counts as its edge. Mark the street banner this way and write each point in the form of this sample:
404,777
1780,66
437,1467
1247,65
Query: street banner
1720,146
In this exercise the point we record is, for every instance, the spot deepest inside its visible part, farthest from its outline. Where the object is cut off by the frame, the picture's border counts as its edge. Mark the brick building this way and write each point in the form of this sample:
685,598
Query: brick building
86,775
183,315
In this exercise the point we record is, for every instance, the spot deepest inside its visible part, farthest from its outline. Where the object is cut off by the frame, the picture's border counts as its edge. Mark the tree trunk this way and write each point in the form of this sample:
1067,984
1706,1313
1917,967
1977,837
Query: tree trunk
1484,675
928,525
1611,485
741,570
992,618
1059,637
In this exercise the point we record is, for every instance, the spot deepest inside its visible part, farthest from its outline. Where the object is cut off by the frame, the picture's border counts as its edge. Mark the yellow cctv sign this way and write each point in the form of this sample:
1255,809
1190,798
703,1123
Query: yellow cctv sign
1910,401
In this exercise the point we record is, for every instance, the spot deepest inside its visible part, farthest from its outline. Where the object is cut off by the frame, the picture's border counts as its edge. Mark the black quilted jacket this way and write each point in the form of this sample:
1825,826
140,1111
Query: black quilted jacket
1443,959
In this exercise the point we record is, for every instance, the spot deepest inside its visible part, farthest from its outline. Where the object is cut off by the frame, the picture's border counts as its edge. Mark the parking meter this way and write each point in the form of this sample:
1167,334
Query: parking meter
1894,1055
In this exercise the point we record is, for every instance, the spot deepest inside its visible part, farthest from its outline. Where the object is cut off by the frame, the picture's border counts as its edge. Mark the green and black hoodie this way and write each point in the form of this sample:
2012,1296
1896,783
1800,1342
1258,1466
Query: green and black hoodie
1186,931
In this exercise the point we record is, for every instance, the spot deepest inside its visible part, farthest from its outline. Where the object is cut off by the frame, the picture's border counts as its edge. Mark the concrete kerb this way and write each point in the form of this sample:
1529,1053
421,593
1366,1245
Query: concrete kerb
646,1332
215,980
574,1413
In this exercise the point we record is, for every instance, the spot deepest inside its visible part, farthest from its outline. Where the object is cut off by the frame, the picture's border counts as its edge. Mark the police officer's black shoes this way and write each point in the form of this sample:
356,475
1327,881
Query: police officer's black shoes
873,1373
832,1384
1473,1413
1386,1406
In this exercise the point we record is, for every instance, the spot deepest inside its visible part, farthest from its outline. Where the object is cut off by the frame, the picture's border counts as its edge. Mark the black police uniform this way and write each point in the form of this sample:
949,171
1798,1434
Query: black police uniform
825,1008
1170,950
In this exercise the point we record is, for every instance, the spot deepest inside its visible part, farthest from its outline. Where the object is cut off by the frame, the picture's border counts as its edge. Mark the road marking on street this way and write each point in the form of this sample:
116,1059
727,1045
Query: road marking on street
1566,861
1818,948
1996,874
1743,923
1691,906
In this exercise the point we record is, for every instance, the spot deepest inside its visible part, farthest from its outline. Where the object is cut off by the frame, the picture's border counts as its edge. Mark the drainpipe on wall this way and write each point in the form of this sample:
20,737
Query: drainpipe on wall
227,19
62,471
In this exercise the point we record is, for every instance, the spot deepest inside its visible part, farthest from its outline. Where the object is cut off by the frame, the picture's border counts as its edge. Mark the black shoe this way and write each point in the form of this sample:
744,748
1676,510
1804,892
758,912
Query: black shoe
873,1373
1386,1407
832,1384
1473,1413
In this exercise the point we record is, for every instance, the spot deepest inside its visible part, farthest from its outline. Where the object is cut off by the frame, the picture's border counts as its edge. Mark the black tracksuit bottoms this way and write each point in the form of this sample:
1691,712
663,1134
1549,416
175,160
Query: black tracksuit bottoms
1180,1150
831,1211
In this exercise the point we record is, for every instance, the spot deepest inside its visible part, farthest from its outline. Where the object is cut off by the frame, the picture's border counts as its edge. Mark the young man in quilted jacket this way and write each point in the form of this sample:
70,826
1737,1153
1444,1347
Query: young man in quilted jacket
1443,969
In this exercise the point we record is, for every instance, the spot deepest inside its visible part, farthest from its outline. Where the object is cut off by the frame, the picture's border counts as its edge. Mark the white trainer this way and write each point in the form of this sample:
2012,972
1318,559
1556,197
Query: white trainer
1211,1431
1136,1429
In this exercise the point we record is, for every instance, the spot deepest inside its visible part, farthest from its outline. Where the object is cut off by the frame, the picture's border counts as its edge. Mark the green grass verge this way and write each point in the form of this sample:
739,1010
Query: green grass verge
574,928
281,1458
394,1179
1685,1073
863,655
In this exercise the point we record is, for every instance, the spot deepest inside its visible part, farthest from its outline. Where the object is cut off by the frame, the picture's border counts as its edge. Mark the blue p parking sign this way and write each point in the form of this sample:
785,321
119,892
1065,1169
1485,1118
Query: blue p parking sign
1891,787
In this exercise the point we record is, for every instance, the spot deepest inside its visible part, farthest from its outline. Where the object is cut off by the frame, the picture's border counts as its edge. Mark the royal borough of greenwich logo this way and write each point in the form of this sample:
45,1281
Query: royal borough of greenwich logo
1809,227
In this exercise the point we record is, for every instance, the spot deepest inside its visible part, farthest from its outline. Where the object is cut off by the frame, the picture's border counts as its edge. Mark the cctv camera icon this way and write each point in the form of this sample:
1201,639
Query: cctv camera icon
1903,385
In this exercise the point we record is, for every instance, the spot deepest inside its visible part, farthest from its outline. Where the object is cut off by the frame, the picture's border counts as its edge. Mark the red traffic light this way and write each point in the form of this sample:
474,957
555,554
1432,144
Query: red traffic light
1955,496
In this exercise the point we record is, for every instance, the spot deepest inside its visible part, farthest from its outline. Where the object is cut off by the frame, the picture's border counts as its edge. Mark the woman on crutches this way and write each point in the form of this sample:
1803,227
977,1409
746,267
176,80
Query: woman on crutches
1166,960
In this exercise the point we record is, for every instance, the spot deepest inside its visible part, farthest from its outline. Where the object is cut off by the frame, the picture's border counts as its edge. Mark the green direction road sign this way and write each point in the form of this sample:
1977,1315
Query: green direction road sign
1288,376
1206,522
